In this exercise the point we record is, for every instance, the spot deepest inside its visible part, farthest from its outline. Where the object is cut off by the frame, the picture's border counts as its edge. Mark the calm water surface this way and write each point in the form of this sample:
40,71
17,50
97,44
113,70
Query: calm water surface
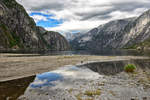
84,52
62,78
66,76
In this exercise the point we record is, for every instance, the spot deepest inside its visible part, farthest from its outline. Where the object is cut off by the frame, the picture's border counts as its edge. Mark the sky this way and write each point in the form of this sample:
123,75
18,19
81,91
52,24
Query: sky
81,15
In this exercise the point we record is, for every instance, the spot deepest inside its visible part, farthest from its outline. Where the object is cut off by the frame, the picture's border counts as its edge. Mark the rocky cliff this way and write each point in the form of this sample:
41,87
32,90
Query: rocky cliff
53,40
137,31
102,36
116,34
19,31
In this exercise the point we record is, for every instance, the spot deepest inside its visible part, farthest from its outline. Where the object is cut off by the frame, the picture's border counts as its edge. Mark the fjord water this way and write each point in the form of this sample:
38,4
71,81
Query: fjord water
11,90
69,82
102,52
57,84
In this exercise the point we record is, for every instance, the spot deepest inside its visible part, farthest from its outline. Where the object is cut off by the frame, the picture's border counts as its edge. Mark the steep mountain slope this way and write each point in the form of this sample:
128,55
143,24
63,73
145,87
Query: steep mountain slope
53,40
72,36
138,31
101,36
116,34
68,36
134,33
18,30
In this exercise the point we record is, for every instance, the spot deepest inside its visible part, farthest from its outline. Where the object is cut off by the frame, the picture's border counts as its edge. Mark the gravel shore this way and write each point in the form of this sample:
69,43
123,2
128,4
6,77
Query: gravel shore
14,66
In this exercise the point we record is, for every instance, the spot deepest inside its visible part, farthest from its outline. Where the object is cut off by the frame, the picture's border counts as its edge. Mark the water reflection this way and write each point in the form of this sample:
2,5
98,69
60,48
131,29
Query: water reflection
103,52
115,67
56,82
62,75
106,68
11,90
52,83
46,79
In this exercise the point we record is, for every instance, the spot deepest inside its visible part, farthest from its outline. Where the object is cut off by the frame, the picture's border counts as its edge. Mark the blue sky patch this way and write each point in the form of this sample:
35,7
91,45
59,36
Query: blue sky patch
50,22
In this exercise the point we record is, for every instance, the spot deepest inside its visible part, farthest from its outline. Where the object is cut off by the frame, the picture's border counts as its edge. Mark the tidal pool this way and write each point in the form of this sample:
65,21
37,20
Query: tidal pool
90,81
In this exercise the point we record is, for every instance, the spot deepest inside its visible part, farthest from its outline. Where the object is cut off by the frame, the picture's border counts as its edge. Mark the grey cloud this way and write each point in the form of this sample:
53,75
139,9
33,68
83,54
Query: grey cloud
95,14
130,6
71,10
105,14
54,6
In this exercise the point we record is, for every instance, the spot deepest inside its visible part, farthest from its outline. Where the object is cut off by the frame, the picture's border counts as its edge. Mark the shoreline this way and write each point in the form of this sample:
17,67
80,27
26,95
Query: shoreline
17,66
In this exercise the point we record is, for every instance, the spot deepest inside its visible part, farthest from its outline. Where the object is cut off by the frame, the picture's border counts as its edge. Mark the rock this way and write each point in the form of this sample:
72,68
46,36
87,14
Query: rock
55,41
102,36
19,30
121,33
144,98
133,98
1,10
146,48
139,48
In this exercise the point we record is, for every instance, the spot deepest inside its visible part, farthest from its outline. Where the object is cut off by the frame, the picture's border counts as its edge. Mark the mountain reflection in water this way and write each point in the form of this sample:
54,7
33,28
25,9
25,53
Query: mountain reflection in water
11,90
64,78
102,52
115,67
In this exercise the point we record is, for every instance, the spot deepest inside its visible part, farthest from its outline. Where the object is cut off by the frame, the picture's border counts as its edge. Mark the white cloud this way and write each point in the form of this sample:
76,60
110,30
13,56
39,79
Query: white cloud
76,25
82,15
39,18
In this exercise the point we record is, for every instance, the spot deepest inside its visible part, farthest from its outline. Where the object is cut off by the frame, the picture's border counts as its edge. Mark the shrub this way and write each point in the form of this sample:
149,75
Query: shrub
92,93
130,68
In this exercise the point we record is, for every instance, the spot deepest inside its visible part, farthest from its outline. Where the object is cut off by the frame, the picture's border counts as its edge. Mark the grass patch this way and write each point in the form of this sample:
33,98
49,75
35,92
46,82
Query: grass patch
92,93
70,90
89,99
78,97
112,93
130,68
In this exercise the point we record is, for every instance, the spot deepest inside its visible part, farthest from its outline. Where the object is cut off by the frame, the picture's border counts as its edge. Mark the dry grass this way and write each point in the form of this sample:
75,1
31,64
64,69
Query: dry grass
70,90
78,96
92,92
112,92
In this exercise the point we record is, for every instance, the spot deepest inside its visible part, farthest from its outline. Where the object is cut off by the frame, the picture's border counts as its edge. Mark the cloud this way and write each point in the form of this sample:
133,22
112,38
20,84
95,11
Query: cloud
82,15
45,20
75,26
38,18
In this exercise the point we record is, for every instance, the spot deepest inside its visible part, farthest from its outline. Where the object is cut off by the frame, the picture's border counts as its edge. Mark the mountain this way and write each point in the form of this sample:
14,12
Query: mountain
137,31
53,40
19,31
123,33
101,36
71,36
68,36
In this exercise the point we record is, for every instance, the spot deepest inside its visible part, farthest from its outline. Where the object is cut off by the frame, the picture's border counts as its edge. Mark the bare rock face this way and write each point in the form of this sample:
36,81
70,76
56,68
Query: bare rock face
22,27
17,29
139,30
1,10
116,34
53,40
102,36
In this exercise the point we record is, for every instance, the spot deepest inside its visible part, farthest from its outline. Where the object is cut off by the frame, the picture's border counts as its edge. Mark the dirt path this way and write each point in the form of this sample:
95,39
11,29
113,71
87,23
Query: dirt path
13,66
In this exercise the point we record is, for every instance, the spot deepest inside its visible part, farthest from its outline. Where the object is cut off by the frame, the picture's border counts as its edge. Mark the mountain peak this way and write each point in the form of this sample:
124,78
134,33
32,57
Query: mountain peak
116,34
18,30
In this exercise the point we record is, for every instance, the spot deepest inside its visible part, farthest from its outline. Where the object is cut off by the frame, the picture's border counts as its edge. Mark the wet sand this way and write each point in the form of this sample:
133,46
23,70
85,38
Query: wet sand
13,66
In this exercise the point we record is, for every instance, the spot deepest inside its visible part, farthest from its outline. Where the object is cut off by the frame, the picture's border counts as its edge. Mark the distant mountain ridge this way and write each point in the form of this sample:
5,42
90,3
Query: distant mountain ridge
122,33
71,36
19,31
